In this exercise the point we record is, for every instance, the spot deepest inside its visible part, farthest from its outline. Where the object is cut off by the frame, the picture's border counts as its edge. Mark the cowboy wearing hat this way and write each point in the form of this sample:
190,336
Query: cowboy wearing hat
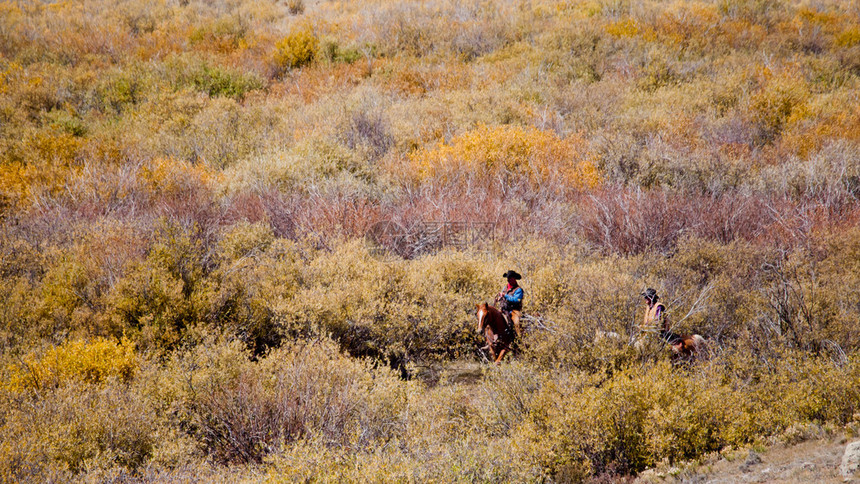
656,319
511,298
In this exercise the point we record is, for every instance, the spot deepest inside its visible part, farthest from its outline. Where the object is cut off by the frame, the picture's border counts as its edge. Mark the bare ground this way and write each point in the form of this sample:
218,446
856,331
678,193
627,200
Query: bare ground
814,461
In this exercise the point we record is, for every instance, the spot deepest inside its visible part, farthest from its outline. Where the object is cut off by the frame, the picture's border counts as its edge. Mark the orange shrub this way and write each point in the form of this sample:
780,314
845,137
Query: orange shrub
50,155
168,176
539,155
685,26
827,124
741,33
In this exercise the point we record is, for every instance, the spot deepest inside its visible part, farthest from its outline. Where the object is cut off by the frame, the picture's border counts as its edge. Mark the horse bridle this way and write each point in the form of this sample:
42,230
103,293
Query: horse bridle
481,318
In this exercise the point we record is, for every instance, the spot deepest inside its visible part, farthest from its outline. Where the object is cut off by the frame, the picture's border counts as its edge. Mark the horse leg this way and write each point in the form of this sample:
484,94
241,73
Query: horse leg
492,350
501,355
675,356
679,352
685,350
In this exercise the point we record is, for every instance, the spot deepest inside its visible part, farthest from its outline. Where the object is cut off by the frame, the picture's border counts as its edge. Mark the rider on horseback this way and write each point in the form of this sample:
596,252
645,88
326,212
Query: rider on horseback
655,318
511,298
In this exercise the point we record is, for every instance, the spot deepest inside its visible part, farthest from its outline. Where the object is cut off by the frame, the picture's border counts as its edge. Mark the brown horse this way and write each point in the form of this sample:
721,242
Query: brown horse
492,323
685,347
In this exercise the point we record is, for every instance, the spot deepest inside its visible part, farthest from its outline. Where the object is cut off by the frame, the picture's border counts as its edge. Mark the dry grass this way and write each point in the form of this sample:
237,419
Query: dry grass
190,184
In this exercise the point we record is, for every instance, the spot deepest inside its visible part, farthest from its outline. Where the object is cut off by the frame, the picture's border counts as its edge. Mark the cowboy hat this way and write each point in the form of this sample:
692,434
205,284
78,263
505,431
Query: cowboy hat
511,274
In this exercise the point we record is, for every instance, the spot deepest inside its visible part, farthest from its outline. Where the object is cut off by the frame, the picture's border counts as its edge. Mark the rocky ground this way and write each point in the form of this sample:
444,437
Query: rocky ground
814,461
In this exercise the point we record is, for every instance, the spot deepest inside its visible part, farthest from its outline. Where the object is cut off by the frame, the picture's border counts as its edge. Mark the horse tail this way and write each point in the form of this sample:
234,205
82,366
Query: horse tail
600,334
701,345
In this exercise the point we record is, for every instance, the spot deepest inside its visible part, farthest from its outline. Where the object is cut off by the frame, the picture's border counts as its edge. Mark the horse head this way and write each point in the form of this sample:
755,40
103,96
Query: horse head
491,323
481,313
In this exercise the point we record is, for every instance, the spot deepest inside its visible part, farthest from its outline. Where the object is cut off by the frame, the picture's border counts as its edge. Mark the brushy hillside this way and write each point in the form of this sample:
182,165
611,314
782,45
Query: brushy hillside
226,255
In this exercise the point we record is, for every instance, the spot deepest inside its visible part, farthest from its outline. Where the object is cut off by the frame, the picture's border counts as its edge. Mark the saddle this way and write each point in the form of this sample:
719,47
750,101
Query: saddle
510,327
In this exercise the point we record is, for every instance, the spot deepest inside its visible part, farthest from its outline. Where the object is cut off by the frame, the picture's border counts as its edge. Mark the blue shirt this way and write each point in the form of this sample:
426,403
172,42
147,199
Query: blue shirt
516,296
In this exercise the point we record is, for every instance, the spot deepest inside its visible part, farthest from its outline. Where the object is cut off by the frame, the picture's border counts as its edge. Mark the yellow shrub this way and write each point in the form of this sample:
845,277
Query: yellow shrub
296,49
90,362
15,182
243,410
849,37
623,28
244,239
781,101
55,147
579,425
7,73
52,435
540,155
684,25
222,35
816,17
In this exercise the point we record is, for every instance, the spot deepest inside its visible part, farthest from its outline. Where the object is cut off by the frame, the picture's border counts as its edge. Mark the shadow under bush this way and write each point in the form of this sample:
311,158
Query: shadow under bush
242,410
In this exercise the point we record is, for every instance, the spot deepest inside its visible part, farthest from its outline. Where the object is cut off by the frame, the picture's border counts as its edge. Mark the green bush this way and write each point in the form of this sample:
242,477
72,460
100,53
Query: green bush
154,303
122,90
220,82
331,50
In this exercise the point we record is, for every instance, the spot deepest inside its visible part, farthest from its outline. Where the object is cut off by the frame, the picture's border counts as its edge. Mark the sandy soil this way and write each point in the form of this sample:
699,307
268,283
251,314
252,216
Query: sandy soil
815,461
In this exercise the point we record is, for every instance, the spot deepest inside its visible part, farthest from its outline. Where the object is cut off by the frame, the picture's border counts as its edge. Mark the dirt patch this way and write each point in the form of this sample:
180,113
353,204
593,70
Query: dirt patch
812,461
